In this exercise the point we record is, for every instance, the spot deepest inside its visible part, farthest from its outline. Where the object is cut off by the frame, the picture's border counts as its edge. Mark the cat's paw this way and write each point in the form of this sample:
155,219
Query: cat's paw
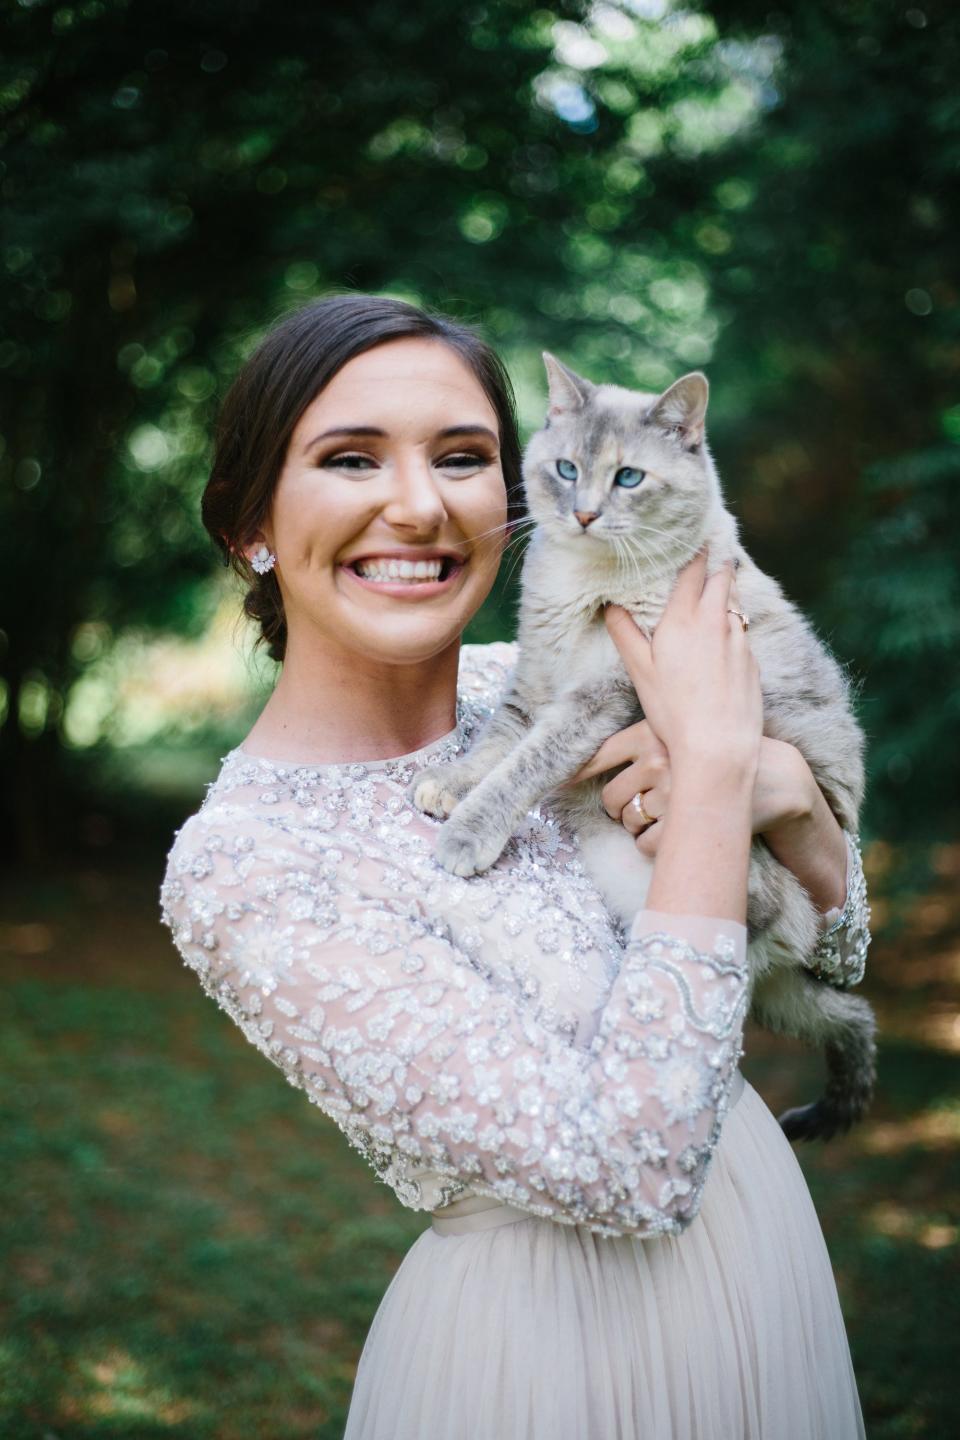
463,853
438,789
431,793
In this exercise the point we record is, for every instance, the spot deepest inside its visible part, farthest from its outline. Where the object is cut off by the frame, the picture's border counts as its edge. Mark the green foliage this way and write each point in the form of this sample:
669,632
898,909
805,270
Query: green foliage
897,603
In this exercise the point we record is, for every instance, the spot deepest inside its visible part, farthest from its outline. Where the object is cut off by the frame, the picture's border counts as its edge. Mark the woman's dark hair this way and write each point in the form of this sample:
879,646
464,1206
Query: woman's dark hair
294,362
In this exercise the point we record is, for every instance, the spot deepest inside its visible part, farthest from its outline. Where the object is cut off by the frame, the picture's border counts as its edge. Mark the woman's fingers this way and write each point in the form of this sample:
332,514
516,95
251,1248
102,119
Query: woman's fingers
648,841
693,588
687,590
620,748
633,645
617,750
654,805
636,779
716,591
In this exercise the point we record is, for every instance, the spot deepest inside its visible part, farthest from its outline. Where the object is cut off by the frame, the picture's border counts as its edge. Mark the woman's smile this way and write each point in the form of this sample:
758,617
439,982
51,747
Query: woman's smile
407,574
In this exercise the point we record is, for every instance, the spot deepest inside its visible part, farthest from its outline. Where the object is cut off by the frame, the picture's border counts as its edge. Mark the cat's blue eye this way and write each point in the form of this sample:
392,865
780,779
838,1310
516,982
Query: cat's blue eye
566,470
628,478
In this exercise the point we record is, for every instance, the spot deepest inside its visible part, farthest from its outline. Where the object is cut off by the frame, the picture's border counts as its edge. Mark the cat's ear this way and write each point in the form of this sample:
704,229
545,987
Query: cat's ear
568,390
683,408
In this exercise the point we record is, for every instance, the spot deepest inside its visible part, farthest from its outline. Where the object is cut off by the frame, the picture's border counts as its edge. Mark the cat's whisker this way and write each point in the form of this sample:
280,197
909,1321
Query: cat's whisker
513,561
518,553
626,559
650,555
676,561
619,551
514,525
661,534
632,559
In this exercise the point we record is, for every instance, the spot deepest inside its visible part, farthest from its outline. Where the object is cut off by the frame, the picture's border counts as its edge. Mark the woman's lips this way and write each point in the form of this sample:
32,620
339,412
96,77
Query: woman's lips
409,589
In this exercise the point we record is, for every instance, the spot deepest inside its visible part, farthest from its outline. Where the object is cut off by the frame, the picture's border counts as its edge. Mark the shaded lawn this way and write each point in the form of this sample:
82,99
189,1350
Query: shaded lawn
190,1249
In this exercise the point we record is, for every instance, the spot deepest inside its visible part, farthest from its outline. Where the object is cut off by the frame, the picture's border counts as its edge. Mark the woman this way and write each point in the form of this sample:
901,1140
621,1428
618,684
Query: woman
599,1264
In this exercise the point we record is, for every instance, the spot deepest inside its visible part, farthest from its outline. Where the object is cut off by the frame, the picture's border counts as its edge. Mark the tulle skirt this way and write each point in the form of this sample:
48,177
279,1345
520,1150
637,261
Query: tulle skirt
497,1327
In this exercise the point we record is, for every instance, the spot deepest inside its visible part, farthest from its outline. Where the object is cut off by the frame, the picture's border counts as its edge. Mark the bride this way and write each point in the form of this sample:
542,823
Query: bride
621,1243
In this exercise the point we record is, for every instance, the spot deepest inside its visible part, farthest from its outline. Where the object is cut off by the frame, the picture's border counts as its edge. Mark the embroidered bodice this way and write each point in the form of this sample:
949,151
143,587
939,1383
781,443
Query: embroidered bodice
497,1036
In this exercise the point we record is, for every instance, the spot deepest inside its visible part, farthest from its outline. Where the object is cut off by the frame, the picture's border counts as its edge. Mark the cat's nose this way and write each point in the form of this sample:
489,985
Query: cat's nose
586,517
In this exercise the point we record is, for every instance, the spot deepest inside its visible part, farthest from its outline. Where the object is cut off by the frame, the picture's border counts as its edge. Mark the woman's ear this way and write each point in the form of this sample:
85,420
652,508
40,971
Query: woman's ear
259,552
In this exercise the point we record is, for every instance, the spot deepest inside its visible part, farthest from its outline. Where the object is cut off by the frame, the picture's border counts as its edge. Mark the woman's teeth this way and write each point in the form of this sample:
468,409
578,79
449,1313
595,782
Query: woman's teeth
394,570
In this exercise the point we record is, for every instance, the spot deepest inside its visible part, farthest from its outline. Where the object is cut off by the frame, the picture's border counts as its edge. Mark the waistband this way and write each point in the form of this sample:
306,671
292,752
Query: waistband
479,1212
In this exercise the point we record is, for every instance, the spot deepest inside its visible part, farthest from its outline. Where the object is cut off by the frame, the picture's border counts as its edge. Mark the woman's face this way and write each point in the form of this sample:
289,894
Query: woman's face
388,517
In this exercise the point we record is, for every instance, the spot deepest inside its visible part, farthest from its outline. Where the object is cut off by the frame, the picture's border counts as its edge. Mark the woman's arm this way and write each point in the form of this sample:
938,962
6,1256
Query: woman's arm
330,965
792,815
699,685
788,809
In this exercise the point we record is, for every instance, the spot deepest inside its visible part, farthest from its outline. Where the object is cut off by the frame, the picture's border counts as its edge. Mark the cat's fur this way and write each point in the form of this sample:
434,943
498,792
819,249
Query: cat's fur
569,692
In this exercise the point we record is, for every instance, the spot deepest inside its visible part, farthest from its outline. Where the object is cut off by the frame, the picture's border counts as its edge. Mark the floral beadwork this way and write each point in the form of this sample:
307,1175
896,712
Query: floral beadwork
840,954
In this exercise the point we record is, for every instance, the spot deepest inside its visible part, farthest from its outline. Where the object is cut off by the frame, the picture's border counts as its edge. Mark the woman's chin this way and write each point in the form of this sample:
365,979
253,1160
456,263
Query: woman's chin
403,633
407,644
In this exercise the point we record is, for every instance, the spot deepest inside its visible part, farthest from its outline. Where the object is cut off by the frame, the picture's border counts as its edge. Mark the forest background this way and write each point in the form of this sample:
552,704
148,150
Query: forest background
642,187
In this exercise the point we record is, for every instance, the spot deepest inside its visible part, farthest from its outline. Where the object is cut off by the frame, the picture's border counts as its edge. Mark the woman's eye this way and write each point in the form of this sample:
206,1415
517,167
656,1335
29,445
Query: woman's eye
566,470
463,461
349,461
628,478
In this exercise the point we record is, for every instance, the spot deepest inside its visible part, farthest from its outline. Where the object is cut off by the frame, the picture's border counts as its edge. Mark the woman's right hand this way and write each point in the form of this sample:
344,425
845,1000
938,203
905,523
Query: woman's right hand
697,679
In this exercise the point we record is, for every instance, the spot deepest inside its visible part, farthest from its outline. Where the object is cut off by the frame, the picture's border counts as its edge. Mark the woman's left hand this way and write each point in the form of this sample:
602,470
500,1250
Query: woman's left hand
782,791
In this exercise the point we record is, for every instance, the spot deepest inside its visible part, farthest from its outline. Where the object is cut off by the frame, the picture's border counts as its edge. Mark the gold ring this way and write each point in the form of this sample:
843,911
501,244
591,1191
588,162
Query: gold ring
638,805
744,619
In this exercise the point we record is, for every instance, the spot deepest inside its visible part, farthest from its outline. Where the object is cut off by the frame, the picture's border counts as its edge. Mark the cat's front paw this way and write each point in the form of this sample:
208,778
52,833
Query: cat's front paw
431,793
464,853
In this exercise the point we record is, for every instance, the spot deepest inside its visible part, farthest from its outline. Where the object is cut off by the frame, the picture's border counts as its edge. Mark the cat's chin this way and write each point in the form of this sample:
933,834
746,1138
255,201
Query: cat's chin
597,548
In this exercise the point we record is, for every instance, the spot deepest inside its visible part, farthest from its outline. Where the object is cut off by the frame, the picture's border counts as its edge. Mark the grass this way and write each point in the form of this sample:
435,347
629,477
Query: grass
189,1249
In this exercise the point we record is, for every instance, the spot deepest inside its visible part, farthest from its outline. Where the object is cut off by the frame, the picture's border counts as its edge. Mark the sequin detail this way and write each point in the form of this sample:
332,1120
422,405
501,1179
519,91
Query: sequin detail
840,954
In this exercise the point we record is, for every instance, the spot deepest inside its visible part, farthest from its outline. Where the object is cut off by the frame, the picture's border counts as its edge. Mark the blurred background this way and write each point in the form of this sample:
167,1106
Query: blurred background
643,187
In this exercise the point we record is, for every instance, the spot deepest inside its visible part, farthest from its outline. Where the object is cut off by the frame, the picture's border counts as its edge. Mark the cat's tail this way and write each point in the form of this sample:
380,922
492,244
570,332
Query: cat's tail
846,1026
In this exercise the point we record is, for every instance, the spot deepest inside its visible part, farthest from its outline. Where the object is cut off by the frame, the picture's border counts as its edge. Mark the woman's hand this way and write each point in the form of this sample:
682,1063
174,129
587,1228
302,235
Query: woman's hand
787,806
782,790
697,679
699,686
647,773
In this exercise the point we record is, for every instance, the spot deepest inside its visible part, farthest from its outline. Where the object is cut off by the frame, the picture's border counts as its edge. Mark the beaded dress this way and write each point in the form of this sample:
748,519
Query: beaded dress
599,1264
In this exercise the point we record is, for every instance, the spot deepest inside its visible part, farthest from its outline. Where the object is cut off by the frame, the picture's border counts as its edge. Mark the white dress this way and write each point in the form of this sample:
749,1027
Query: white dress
622,1244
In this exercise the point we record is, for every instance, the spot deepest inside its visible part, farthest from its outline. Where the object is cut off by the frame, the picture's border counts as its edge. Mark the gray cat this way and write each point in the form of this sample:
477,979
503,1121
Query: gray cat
623,492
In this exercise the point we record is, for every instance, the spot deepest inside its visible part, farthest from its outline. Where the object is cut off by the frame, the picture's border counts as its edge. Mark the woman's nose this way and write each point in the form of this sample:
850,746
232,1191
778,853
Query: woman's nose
415,502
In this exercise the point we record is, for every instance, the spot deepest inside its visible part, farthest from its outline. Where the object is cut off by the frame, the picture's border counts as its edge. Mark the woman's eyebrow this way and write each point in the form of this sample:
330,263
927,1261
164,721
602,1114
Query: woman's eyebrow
445,434
468,430
344,430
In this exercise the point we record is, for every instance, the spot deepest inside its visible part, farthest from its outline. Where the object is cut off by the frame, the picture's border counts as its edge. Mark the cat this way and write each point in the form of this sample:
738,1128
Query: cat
622,492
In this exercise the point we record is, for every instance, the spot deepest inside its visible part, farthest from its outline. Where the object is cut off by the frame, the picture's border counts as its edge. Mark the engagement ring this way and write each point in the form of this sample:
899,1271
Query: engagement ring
638,805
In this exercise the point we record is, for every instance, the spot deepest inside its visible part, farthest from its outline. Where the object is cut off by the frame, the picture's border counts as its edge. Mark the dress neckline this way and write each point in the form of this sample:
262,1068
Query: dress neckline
451,741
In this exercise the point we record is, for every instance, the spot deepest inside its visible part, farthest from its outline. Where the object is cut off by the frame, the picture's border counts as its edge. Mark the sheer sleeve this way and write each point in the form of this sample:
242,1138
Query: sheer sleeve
840,955
366,1003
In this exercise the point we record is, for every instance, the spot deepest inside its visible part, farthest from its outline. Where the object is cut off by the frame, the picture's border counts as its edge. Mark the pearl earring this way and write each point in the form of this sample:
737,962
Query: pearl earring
263,560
